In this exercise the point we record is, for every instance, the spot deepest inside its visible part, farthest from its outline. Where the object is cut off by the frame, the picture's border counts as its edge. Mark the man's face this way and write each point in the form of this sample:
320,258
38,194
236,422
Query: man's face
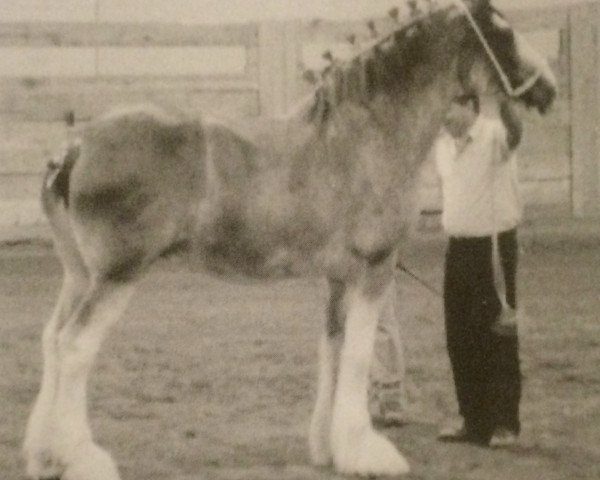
460,117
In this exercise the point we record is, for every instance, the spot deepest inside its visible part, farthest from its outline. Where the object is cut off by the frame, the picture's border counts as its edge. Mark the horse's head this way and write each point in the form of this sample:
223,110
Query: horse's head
507,63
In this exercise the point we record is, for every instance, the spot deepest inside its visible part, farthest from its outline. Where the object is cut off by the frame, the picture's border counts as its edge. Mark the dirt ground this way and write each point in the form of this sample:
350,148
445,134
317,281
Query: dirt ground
204,379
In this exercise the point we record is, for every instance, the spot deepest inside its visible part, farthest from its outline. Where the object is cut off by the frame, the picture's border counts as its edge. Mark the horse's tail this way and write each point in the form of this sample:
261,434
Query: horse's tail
55,189
55,203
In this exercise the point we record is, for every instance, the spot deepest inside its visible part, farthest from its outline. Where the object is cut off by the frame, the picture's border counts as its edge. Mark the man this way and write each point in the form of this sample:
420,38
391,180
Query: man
477,167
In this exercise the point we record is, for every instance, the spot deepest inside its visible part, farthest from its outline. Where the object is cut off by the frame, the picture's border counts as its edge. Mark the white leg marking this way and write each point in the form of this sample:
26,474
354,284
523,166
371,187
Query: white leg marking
68,451
320,425
357,448
40,423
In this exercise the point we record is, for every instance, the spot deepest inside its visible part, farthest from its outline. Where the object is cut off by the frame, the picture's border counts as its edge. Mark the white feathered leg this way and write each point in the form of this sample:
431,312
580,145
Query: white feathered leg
320,425
68,450
41,420
357,448
329,352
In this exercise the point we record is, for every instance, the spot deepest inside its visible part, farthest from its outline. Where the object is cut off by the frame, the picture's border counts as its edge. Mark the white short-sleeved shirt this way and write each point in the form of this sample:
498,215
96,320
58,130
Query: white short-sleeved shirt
479,177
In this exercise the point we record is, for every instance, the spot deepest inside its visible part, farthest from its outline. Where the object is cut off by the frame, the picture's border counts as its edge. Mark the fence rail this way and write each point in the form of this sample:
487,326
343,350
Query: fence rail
89,34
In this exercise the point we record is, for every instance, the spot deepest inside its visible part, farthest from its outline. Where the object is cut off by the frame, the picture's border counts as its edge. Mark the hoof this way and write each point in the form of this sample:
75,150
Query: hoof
371,455
84,462
44,466
90,462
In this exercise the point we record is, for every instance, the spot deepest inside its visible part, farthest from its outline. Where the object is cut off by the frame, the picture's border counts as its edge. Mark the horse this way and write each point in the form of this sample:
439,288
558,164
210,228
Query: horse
324,191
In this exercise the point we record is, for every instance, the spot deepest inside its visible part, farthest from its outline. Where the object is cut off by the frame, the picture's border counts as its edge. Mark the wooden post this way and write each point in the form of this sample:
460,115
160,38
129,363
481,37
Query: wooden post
584,28
279,55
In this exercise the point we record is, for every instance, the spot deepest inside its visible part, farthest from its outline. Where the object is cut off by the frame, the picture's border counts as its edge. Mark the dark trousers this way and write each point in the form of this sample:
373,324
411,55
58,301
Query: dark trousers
485,365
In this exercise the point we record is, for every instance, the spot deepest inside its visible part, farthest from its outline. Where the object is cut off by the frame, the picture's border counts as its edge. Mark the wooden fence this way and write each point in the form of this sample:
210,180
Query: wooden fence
255,69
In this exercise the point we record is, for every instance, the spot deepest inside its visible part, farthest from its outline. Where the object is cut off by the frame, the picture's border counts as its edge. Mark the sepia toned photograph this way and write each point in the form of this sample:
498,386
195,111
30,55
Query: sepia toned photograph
299,239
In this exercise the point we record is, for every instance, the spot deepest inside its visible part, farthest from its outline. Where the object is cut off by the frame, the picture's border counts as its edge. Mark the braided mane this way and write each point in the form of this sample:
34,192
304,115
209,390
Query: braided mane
384,64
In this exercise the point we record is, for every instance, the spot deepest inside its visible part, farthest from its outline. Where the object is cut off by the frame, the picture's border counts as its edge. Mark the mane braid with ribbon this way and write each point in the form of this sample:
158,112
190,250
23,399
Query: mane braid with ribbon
377,66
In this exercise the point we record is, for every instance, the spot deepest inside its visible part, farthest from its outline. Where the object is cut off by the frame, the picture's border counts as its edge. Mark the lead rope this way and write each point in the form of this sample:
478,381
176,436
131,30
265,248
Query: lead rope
506,323
430,288
499,280
497,268
513,92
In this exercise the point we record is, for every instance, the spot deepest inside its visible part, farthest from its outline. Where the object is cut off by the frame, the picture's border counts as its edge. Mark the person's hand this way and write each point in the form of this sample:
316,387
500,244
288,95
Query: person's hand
512,124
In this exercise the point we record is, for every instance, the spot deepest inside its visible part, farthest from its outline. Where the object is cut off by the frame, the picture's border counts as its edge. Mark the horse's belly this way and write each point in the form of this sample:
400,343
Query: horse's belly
254,237
238,262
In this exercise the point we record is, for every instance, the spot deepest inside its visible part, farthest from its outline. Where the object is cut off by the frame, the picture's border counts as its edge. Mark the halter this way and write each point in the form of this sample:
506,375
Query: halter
513,92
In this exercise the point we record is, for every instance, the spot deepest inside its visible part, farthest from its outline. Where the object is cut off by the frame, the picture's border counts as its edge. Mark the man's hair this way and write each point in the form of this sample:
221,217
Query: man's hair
465,98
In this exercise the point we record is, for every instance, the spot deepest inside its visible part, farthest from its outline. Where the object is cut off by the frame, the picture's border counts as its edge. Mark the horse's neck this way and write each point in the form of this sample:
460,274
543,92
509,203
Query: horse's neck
404,123
406,116
399,125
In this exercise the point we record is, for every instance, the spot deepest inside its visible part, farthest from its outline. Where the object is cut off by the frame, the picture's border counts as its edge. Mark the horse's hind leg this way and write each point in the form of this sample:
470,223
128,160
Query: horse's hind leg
58,442
329,351
70,453
39,425
79,341
75,283
357,448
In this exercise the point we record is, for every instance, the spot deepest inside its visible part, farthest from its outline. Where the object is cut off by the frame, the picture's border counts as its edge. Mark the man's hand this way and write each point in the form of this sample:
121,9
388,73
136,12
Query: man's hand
512,123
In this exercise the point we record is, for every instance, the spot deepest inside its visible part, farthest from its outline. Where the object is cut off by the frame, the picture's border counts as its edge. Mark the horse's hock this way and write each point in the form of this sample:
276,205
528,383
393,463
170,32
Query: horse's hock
50,68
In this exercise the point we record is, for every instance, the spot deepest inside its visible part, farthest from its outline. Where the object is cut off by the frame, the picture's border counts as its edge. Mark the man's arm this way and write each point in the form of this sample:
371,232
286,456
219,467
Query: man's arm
512,124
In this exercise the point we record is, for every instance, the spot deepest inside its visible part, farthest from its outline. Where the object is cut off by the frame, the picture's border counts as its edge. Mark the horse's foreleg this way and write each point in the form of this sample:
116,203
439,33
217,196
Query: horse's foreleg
329,351
357,448
70,451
